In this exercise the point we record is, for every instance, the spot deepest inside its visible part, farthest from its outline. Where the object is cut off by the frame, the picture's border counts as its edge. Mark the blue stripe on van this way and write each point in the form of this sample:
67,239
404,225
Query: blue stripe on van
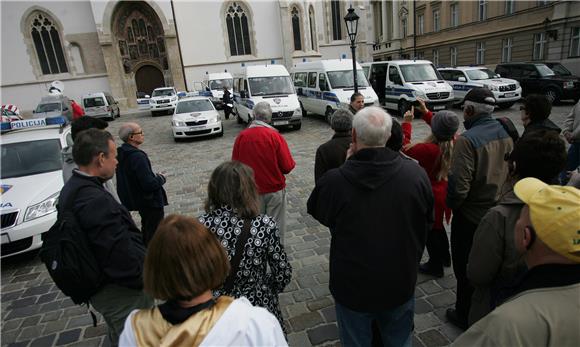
329,96
463,87
400,91
244,102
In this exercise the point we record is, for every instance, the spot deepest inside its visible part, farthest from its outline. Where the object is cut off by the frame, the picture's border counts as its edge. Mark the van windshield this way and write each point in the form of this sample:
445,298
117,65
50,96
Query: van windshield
343,79
276,85
480,74
194,106
419,72
163,92
220,84
50,107
30,158
94,102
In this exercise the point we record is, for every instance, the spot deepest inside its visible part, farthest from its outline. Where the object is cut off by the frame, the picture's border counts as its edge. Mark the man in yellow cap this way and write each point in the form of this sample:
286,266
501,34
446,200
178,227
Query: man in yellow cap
544,307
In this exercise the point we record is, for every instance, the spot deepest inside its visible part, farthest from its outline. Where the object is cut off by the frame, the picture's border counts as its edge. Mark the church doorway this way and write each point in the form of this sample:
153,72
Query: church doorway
147,78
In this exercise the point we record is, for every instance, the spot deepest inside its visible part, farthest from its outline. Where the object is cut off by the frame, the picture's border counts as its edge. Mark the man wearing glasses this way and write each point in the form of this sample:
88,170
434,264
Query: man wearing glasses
139,188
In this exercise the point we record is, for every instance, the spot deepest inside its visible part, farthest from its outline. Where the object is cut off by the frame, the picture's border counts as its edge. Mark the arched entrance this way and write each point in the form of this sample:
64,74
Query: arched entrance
147,78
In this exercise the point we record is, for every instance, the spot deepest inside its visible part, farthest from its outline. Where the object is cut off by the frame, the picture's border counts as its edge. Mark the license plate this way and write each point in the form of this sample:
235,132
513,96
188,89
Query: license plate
439,107
5,239
282,122
197,127
507,95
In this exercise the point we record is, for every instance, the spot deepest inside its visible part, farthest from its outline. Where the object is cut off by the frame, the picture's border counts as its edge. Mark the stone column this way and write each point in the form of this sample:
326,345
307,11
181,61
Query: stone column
286,34
396,34
385,21
174,57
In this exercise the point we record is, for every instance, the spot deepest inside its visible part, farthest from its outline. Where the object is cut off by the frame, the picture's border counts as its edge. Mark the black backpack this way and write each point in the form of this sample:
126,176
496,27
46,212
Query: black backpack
67,254
509,127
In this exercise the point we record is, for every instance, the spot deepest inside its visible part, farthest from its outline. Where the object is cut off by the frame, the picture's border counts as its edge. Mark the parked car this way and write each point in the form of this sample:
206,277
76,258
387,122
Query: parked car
53,105
101,105
558,68
163,100
463,78
540,79
195,117
31,176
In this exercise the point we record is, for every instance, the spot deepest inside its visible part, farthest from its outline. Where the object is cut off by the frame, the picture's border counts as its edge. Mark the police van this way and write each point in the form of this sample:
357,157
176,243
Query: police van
399,83
272,84
31,180
325,85
463,78
214,83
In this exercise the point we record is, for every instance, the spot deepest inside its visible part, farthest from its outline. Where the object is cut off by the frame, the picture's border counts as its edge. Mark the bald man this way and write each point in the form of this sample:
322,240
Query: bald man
139,188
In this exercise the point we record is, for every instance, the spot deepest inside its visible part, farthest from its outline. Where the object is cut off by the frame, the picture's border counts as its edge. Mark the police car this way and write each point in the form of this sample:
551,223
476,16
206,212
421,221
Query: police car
31,180
506,91
194,117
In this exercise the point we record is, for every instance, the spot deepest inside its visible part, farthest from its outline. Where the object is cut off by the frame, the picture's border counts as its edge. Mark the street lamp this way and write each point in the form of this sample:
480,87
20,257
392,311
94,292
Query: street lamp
351,20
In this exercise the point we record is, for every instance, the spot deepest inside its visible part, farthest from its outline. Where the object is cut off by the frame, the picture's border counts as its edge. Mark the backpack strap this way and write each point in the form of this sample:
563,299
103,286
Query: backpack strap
239,253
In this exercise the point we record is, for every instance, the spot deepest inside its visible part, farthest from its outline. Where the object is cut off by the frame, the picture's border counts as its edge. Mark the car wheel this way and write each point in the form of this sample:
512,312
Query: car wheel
177,139
328,114
552,94
239,119
112,116
403,107
297,126
505,105
304,113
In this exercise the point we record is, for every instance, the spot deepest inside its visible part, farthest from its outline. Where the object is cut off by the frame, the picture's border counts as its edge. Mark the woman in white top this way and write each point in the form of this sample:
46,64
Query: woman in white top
184,263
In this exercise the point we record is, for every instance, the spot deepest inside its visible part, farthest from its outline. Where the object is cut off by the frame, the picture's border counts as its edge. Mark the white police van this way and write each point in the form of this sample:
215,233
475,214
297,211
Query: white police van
214,84
272,84
399,83
463,78
31,180
325,85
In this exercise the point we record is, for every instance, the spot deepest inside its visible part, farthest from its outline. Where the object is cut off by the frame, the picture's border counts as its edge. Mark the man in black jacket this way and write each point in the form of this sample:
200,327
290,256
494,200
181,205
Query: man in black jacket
113,236
535,111
332,153
139,188
378,207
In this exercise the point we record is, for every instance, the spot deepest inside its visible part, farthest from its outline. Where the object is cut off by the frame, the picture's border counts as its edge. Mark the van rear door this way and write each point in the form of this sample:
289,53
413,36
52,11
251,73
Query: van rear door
95,106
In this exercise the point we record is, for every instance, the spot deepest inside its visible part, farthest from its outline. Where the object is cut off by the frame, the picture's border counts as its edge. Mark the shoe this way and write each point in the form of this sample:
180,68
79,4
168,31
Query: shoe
431,270
454,319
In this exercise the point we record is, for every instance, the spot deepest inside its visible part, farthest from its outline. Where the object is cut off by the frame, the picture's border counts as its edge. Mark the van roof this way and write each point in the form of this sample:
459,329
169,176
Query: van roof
52,98
94,95
399,62
266,70
327,65
219,76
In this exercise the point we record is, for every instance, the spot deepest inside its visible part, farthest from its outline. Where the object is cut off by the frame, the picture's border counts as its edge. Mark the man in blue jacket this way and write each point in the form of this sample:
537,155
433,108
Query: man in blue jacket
139,188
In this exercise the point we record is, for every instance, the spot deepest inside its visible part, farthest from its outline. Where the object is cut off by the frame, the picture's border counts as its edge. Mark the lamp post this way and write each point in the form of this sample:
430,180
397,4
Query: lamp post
351,20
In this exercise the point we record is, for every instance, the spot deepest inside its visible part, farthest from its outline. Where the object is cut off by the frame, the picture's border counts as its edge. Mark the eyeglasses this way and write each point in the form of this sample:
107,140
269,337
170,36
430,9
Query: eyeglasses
139,133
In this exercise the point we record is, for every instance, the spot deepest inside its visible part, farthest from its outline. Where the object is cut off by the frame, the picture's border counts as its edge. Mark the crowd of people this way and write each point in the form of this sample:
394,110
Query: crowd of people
215,279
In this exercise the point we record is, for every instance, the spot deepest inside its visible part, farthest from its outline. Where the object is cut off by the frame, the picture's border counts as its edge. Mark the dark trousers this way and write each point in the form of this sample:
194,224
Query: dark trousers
438,247
462,231
150,219
227,111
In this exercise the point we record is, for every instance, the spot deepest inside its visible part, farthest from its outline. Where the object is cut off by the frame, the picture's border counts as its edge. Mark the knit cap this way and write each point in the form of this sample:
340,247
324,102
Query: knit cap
444,125
341,120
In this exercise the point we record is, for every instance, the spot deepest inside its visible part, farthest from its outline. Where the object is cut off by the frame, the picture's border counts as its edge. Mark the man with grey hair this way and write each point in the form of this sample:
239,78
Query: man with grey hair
378,207
262,148
139,188
476,178
332,153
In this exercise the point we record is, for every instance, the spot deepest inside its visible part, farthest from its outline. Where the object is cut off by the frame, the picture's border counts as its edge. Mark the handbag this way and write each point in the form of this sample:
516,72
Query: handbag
235,262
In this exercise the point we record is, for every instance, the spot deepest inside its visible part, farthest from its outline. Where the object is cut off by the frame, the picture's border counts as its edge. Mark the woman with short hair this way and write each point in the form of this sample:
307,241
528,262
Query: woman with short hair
184,262
233,213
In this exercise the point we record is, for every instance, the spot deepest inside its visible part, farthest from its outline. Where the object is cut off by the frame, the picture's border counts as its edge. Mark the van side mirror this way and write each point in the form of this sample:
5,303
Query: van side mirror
462,79
147,96
497,75
207,89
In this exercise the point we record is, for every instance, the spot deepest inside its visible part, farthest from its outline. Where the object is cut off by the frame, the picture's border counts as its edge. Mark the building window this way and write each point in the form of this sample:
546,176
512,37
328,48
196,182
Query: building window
453,55
454,9
539,45
506,50
420,55
480,56
336,20
509,6
421,24
436,57
436,20
575,42
46,38
77,58
312,26
237,23
296,29
482,10
404,27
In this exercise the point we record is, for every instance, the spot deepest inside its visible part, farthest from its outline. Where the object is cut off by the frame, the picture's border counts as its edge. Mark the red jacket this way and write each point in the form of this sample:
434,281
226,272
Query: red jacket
267,153
427,154
78,111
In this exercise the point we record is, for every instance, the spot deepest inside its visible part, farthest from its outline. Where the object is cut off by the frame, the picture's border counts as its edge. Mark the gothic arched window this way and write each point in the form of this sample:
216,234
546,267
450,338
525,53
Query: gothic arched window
312,24
238,29
336,20
46,38
296,29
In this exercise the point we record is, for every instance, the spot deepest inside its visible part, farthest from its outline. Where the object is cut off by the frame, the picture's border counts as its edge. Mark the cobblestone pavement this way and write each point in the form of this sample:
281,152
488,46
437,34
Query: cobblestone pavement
35,313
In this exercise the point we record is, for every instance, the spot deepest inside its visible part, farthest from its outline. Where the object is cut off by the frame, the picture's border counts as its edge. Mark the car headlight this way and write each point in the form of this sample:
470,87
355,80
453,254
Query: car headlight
178,123
42,208
298,112
451,95
152,101
215,119
174,98
492,87
419,94
569,84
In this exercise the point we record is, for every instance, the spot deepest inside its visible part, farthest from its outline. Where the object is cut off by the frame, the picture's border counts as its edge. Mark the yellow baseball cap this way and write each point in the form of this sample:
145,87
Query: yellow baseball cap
555,215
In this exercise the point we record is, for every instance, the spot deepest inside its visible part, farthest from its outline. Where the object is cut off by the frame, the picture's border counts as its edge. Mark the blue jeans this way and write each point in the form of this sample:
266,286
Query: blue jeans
395,325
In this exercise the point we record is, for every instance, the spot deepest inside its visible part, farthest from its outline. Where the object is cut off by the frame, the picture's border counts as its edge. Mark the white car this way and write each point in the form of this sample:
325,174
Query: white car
163,100
195,117
31,180
506,91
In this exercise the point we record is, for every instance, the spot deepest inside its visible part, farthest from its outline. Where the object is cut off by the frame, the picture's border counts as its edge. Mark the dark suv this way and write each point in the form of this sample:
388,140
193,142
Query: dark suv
539,79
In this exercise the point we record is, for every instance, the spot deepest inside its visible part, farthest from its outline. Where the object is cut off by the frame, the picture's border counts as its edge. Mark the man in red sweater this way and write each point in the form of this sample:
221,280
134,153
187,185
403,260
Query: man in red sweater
261,147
